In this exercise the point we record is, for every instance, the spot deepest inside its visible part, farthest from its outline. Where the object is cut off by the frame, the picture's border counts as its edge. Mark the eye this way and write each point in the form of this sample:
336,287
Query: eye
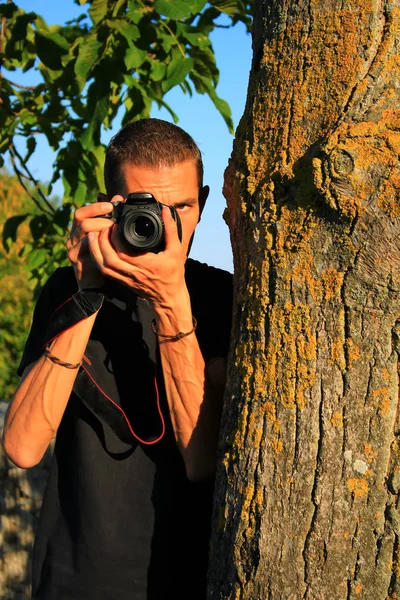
183,207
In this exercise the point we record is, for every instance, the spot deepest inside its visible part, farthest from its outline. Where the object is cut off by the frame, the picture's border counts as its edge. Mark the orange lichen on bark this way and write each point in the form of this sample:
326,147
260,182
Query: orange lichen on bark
353,352
292,344
308,101
369,452
277,445
389,196
381,397
358,589
359,149
337,419
332,281
358,487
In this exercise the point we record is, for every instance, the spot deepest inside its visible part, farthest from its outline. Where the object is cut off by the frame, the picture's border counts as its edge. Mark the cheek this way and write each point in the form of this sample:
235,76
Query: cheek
188,226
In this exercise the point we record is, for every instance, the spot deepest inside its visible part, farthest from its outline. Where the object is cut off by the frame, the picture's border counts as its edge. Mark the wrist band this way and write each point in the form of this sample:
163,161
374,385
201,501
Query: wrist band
78,307
88,301
57,361
173,338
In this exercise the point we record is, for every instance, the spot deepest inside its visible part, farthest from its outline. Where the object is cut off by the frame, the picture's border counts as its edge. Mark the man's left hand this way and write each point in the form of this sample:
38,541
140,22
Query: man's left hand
157,277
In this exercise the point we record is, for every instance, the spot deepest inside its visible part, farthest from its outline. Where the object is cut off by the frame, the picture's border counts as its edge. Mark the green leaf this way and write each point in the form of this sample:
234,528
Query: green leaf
198,39
167,41
10,230
128,30
117,7
173,9
230,7
98,10
8,9
38,226
37,258
92,132
196,6
135,11
134,58
89,53
31,147
204,86
50,47
176,72
26,117
158,70
223,108
169,109
80,196
99,153
204,63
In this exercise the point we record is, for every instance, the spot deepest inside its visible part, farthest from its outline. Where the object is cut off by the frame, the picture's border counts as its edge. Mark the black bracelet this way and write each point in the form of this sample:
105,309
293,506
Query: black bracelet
173,338
57,361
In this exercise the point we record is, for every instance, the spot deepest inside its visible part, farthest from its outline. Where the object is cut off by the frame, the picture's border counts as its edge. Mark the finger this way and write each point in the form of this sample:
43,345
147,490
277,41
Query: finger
118,198
107,258
87,225
77,251
93,210
170,229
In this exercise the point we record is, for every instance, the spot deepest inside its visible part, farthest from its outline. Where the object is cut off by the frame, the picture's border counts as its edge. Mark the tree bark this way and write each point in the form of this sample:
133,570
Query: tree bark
307,492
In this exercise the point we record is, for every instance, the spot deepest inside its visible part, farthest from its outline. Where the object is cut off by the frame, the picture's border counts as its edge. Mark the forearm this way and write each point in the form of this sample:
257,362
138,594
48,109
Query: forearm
194,401
38,405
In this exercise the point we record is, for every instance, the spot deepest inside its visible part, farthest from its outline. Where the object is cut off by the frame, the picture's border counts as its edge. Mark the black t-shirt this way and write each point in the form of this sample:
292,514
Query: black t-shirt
120,520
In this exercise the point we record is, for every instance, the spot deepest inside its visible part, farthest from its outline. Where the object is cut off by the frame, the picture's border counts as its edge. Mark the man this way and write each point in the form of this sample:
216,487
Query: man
114,368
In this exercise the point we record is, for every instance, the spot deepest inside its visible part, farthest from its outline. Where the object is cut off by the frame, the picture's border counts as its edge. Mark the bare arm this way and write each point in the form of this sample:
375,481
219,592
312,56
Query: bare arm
39,402
194,391
38,405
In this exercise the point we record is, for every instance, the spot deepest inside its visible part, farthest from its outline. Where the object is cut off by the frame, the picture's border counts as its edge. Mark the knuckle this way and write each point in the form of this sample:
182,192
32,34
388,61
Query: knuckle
79,214
85,225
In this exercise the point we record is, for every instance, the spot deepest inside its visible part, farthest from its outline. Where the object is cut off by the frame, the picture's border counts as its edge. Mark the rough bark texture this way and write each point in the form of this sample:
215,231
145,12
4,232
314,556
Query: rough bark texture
307,491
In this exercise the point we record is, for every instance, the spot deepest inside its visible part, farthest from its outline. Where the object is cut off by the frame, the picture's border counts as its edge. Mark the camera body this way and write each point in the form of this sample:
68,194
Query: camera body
139,221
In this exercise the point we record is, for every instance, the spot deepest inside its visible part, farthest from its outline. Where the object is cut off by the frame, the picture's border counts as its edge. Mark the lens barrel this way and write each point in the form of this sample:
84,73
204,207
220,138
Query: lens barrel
142,228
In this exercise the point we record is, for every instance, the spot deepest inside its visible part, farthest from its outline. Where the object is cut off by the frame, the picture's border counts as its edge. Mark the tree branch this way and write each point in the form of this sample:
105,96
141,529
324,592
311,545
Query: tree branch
163,24
18,85
15,154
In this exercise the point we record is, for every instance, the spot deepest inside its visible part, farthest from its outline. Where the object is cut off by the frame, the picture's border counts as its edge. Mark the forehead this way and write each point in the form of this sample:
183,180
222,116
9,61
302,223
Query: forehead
179,178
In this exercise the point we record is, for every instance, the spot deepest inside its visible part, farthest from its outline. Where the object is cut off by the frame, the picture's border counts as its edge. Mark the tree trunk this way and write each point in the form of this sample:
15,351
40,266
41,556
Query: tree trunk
306,501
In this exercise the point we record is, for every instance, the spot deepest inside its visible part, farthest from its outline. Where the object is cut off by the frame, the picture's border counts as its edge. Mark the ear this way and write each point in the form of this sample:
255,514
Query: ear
203,195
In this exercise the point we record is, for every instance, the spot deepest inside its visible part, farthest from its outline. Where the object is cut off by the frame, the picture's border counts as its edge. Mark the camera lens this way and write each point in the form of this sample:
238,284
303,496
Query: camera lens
143,227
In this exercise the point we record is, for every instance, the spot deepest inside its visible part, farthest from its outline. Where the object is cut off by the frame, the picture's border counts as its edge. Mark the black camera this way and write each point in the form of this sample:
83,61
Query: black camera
139,221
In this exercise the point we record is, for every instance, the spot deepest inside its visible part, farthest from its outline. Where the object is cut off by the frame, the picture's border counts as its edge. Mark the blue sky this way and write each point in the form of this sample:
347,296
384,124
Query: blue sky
197,116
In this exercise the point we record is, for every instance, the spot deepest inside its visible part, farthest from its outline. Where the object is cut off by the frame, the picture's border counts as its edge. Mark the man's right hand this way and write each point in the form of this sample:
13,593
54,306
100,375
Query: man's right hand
87,219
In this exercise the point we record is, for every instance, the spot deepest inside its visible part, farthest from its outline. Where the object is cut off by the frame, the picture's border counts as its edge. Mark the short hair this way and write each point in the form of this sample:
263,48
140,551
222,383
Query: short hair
149,143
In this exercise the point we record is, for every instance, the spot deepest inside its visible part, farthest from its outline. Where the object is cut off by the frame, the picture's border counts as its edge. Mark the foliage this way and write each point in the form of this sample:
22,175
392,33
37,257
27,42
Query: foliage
118,57
16,296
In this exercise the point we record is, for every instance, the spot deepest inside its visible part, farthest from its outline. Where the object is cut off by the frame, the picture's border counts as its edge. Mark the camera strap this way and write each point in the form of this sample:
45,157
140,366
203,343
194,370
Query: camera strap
78,307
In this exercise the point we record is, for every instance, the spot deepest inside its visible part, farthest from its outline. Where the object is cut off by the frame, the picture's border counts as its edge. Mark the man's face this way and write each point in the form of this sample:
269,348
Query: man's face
175,186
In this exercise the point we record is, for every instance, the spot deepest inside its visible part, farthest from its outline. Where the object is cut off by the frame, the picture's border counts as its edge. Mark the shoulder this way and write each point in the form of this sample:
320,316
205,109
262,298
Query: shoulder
210,291
58,288
200,276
